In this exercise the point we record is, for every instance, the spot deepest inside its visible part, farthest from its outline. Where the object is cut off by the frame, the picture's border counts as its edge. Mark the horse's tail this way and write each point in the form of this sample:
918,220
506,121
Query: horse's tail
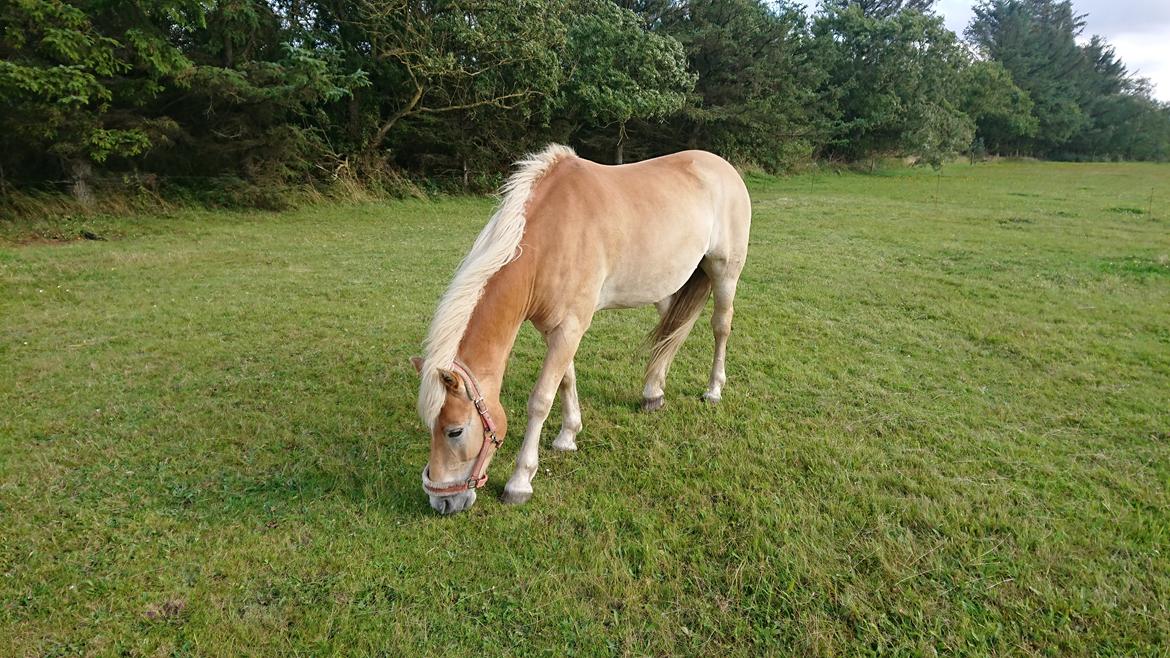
680,316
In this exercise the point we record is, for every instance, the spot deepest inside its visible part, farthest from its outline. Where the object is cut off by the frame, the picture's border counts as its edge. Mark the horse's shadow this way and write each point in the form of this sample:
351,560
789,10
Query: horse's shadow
366,452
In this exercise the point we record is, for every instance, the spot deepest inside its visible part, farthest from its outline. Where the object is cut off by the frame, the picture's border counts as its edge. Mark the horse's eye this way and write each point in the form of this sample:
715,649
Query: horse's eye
455,433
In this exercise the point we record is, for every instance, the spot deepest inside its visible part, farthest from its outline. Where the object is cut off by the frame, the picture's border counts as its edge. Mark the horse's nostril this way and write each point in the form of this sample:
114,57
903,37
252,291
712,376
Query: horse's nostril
452,504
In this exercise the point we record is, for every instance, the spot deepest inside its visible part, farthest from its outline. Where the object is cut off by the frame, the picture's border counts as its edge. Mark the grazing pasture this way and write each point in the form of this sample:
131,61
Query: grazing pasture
946,429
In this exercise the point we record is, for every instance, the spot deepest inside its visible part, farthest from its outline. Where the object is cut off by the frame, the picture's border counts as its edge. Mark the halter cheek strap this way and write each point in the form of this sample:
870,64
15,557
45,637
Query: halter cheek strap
491,441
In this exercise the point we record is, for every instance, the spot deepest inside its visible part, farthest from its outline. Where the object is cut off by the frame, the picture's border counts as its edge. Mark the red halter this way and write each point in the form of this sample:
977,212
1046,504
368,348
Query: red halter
491,441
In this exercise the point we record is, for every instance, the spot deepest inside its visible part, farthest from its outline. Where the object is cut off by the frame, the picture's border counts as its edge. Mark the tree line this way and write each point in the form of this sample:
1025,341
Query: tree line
258,95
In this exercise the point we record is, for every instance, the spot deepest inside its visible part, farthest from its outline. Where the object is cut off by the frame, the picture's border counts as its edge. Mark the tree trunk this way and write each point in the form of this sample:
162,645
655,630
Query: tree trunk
376,143
693,137
619,150
82,170
355,116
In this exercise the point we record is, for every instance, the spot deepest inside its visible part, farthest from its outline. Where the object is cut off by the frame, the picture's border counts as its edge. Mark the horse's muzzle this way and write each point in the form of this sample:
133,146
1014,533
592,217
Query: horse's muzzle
452,503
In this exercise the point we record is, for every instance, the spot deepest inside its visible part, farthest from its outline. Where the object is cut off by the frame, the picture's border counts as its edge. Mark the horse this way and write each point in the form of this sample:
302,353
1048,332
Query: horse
571,237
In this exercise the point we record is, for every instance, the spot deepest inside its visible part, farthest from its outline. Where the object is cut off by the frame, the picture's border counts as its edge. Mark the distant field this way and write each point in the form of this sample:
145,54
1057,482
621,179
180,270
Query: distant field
946,429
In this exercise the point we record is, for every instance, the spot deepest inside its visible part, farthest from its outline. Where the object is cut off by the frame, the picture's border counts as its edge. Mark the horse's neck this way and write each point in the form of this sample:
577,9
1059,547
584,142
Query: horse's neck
492,331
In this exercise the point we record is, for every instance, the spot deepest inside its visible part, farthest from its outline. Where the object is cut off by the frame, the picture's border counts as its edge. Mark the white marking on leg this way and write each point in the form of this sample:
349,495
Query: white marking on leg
571,408
653,389
721,327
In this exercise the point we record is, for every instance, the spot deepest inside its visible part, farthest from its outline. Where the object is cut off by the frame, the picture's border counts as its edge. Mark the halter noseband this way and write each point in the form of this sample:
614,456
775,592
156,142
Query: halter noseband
478,476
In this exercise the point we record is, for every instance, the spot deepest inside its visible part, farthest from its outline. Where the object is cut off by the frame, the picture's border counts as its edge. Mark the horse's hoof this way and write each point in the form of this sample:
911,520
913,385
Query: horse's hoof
711,399
515,497
653,404
565,443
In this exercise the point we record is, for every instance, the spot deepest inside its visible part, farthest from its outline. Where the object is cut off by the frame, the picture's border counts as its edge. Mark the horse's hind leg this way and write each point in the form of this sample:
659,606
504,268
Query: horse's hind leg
653,395
725,277
571,409
663,306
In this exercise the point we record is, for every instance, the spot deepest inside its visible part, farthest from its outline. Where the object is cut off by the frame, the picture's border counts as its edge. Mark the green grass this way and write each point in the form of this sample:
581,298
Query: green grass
945,431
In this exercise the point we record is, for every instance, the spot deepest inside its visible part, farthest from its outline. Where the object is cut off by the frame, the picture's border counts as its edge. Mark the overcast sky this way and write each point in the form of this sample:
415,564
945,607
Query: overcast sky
1138,29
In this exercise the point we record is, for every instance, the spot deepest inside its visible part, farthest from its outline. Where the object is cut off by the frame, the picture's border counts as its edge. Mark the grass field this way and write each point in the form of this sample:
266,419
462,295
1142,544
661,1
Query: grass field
946,430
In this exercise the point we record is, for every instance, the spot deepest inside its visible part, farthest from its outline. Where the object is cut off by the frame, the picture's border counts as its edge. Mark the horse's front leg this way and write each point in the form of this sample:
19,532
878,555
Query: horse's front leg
571,409
562,345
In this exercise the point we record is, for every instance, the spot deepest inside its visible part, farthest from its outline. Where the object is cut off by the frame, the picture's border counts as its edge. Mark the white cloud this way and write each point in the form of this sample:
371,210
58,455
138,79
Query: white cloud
1146,55
957,14
1113,17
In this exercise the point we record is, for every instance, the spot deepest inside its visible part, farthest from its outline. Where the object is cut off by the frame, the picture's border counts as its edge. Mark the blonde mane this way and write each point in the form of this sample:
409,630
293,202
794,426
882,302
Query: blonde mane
497,245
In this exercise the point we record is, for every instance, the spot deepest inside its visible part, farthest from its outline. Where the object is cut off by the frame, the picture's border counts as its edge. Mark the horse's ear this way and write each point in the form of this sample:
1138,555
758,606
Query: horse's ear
417,362
450,380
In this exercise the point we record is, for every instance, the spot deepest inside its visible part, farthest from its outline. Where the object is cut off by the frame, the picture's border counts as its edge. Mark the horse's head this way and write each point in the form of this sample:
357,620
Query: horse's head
465,432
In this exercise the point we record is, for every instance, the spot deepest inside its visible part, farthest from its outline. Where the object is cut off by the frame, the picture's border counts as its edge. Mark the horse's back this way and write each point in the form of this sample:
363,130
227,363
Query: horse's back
631,235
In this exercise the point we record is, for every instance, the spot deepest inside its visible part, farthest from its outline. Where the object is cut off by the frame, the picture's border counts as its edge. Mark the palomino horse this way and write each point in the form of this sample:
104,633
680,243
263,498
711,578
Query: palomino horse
571,237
